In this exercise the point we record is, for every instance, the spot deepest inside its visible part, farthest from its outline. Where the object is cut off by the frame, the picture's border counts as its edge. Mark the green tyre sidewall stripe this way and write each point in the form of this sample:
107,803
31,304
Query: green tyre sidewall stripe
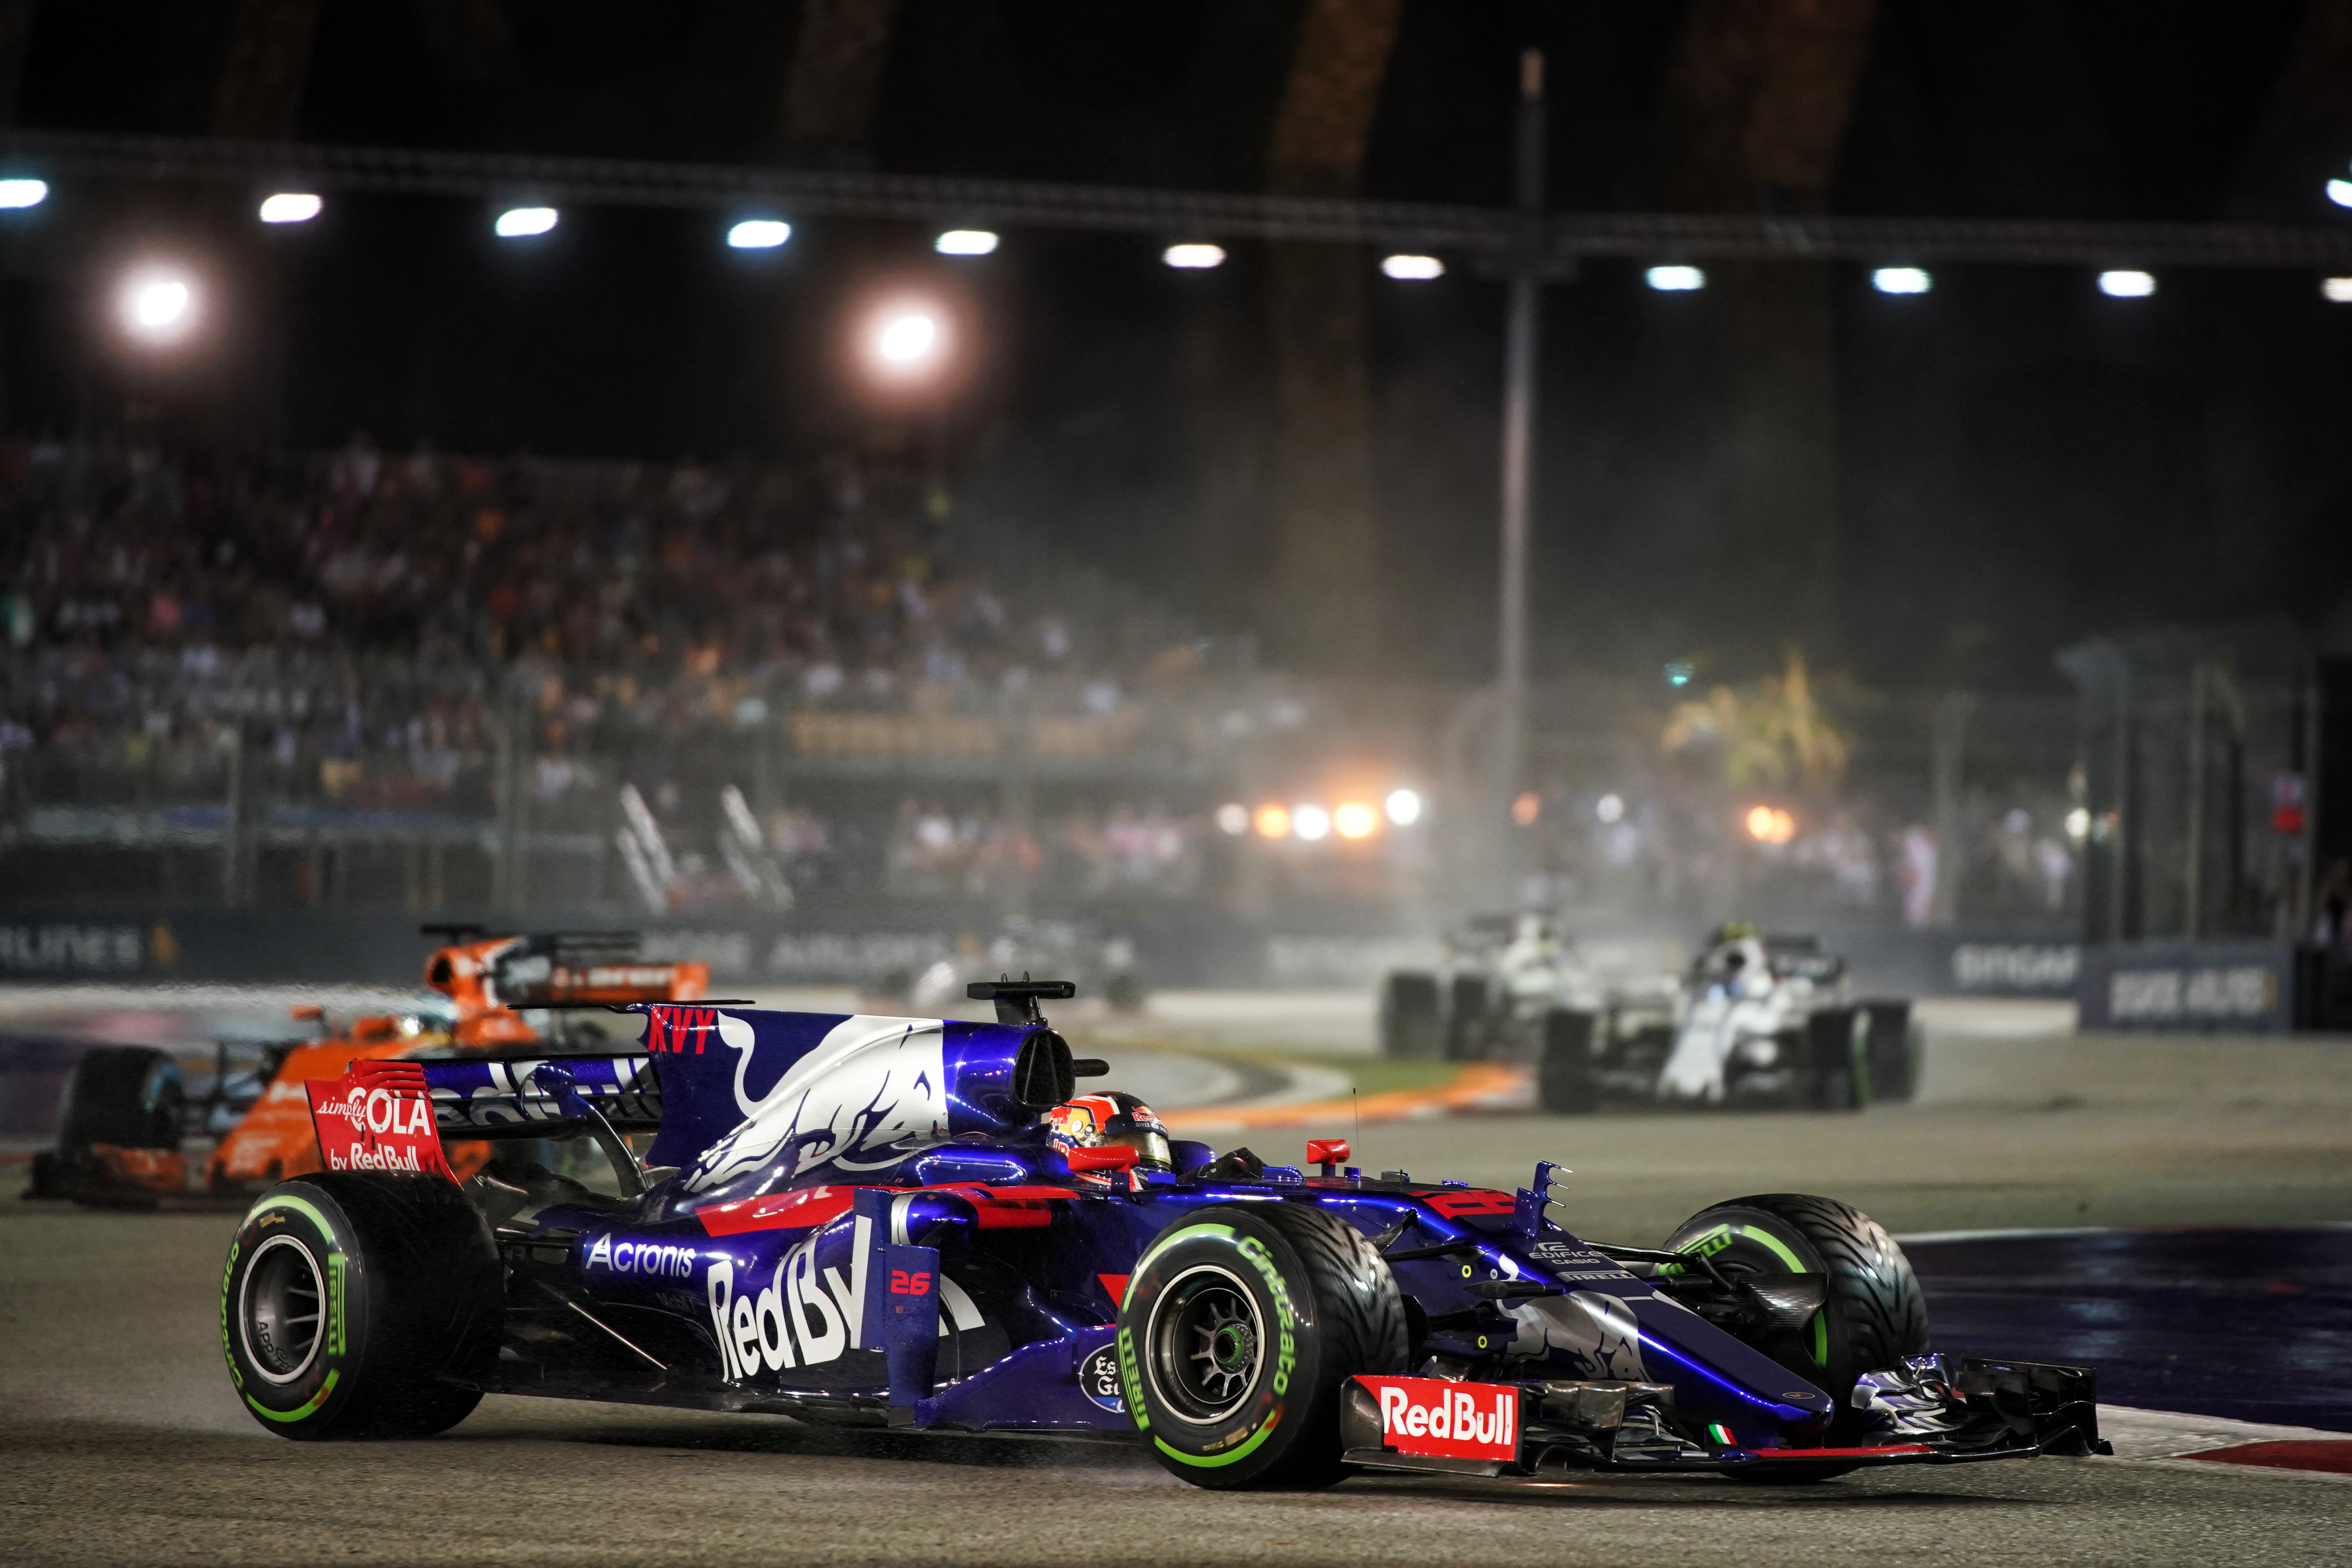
334,1375
1781,1250
335,1329
1214,1461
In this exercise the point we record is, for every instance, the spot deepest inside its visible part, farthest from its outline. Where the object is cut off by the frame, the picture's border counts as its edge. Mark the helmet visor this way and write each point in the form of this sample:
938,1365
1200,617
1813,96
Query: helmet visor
1150,1146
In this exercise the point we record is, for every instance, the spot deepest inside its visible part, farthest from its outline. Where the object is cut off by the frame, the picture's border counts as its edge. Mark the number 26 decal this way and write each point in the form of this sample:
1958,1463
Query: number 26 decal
903,1283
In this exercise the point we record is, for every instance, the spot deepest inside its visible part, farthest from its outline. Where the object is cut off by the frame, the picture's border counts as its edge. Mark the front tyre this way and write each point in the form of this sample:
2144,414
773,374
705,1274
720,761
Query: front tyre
1873,1312
1240,1331
356,1305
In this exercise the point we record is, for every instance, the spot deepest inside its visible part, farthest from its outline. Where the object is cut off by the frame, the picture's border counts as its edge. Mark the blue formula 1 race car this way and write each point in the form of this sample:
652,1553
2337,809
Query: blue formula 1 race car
924,1225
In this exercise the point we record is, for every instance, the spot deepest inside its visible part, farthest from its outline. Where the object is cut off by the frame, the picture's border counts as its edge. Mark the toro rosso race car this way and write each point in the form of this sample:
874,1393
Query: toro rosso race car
908,1224
126,1116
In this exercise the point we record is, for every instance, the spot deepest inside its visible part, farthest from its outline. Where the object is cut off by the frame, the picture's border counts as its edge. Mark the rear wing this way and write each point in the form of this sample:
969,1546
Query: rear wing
510,1096
378,1117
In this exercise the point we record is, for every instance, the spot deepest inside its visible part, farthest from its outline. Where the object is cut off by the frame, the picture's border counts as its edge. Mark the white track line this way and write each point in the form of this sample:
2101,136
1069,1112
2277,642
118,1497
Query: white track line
1924,1238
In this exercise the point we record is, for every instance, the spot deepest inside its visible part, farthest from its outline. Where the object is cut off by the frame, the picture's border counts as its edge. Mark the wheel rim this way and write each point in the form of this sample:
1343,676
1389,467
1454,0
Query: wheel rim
1206,1342
281,1309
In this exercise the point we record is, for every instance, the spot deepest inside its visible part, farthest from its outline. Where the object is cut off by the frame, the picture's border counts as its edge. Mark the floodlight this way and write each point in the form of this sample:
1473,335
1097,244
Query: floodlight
758,234
906,340
965,242
1902,281
2338,191
1310,822
1677,280
290,206
157,306
2125,283
1610,808
23,193
1413,268
2336,291
1354,819
520,222
1272,821
1403,806
1196,257
1232,819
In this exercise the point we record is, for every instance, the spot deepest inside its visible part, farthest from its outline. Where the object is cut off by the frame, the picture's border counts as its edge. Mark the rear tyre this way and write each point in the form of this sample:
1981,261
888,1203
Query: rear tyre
1891,1042
1409,1025
1873,1312
1239,1331
356,1305
128,1096
1465,1018
1838,1072
123,1097
1566,1083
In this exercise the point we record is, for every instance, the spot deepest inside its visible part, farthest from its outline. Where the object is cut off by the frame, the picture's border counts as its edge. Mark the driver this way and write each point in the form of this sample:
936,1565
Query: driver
1095,1121
1737,962
1733,1001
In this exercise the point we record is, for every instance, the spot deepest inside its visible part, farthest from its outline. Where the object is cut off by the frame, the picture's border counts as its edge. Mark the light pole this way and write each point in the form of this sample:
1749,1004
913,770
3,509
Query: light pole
1520,348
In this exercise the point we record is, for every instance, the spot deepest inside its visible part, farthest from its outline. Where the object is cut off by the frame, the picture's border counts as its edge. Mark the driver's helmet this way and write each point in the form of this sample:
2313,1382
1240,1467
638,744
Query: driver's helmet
1092,1121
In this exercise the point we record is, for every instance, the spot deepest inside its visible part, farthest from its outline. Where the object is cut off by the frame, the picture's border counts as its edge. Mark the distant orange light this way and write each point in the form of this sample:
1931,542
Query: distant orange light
1272,821
1770,824
1527,808
1356,820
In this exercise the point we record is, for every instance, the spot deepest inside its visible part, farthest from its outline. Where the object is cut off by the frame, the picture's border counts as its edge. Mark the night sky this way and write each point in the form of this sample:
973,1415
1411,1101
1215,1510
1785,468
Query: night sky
2018,462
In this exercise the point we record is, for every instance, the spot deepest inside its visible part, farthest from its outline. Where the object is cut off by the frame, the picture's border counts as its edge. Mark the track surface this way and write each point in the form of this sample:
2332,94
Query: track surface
2254,1325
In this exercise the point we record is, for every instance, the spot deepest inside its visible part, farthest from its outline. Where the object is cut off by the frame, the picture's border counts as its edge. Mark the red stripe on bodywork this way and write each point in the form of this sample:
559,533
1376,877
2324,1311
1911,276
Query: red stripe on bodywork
999,1208
776,1211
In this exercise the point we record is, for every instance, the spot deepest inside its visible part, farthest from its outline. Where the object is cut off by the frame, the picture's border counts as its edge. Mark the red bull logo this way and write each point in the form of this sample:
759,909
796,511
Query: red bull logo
1449,1420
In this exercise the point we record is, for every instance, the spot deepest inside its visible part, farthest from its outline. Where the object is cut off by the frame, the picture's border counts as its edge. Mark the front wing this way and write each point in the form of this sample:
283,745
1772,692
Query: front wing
1932,1410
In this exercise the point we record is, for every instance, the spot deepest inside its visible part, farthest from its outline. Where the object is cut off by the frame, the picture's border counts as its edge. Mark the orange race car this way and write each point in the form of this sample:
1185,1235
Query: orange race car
127,1116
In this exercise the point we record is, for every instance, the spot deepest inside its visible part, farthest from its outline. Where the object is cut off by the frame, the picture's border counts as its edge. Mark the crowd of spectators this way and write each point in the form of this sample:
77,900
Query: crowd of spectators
826,577
933,851
368,630
1840,863
414,632
366,602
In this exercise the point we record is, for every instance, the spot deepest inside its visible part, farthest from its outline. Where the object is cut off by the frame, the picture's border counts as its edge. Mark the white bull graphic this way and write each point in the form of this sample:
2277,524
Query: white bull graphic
870,1093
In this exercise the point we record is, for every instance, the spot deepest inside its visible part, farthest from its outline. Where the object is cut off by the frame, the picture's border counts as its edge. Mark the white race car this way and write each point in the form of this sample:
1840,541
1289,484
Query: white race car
1763,1021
